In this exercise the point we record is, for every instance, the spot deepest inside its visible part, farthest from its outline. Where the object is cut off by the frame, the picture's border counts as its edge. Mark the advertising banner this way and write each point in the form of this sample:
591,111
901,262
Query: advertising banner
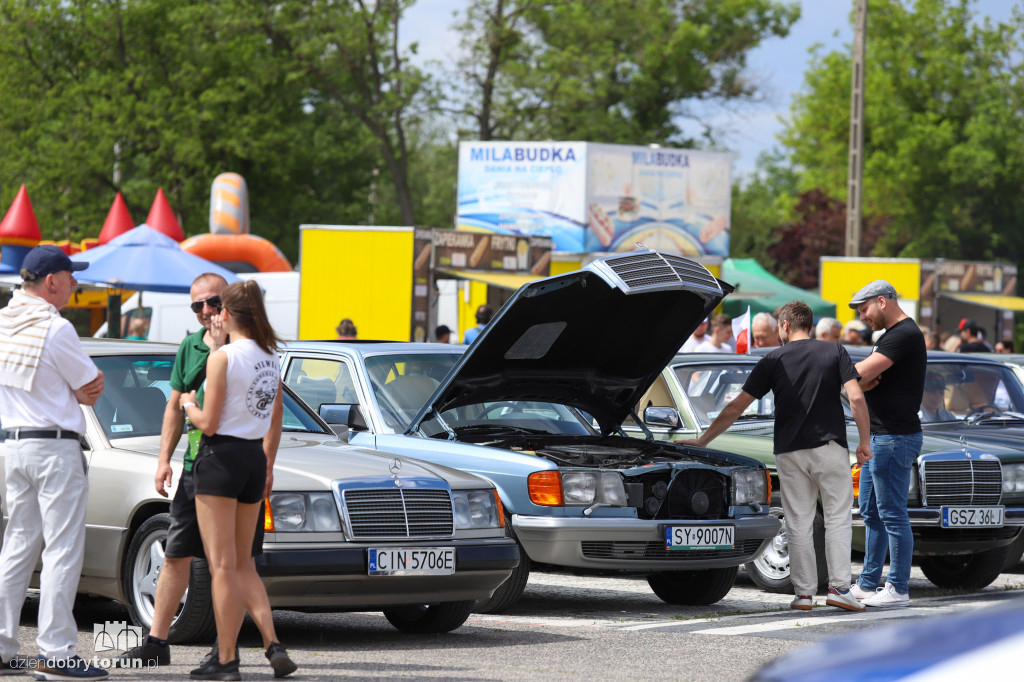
597,197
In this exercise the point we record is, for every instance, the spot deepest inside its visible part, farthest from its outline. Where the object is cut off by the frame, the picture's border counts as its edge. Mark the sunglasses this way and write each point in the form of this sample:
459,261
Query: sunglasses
213,302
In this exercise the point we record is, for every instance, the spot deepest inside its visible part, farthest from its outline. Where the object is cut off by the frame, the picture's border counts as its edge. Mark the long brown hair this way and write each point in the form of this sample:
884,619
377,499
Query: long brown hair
244,300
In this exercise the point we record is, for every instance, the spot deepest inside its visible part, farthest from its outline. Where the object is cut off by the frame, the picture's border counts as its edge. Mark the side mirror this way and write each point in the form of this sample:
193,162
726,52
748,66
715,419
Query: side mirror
662,416
348,416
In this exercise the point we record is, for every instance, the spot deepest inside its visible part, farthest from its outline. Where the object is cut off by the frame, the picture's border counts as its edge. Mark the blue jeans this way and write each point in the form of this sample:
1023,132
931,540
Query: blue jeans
883,505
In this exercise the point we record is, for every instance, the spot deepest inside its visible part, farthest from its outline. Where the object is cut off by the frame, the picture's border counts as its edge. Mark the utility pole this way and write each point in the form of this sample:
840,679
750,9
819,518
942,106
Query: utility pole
855,184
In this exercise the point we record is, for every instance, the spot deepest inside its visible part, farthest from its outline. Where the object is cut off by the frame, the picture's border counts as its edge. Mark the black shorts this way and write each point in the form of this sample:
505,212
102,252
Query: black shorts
183,539
231,467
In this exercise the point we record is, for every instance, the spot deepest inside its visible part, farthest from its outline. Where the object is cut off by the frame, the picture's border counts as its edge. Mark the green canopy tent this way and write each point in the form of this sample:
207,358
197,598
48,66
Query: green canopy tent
763,291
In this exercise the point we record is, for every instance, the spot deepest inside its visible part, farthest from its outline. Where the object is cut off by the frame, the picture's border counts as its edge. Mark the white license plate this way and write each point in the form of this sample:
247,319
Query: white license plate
699,537
971,517
406,561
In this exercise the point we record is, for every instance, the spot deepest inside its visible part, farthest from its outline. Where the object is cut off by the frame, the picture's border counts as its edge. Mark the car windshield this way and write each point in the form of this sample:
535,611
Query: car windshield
709,388
504,417
402,383
958,390
136,389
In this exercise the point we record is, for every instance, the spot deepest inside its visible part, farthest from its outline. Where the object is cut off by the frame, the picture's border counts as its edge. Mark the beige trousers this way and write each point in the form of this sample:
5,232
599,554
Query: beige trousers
803,475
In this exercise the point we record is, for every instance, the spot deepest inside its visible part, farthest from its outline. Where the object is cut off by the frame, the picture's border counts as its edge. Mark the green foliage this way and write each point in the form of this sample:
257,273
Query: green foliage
944,130
619,71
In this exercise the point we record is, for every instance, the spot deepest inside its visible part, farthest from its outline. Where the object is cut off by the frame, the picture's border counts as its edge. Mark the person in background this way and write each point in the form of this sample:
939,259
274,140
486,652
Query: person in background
718,341
1004,346
44,377
931,339
699,336
807,377
483,315
952,343
933,404
970,338
829,329
346,330
764,331
443,334
137,329
853,333
892,378
233,472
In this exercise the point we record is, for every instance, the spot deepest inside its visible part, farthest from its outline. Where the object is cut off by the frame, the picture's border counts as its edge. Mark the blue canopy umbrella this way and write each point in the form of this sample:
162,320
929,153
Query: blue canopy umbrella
143,259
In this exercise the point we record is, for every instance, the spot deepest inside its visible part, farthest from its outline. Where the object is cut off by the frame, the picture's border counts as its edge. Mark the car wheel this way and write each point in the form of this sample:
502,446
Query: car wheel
770,569
508,592
694,588
194,619
1014,554
430,619
966,572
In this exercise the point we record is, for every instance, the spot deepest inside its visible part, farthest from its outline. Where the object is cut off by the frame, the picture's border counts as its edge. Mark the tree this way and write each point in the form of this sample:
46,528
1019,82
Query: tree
943,132
609,70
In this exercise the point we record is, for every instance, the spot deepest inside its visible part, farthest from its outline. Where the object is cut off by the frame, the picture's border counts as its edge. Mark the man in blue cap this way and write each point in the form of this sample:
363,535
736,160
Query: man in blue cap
44,376
893,381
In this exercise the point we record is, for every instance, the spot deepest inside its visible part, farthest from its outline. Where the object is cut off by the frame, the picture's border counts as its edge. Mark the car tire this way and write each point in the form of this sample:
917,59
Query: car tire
770,570
194,621
508,592
1015,553
693,588
430,619
965,572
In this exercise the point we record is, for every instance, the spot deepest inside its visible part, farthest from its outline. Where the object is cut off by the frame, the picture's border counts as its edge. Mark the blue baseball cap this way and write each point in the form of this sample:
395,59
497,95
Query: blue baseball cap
47,259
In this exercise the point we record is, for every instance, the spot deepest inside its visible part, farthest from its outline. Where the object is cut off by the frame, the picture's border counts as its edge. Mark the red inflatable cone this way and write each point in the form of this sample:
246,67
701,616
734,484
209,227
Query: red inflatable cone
161,218
118,220
20,226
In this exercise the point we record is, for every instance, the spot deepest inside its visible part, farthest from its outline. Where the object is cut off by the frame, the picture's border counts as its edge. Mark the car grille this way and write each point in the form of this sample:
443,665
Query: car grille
961,481
647,270
398,513
641,551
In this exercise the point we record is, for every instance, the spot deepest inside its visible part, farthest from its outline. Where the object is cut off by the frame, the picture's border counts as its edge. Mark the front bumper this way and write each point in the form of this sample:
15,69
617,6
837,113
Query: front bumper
336,577
931,539
634,544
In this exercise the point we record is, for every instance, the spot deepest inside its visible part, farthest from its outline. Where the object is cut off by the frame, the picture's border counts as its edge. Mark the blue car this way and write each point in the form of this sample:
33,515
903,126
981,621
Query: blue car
536,405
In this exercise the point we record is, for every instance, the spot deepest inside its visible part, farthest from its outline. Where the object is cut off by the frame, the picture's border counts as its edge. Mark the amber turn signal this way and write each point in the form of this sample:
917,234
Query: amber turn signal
268,516
546,488
855,470
501,508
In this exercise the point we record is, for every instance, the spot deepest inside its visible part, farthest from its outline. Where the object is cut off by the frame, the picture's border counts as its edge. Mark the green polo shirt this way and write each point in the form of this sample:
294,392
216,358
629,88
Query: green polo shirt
189,374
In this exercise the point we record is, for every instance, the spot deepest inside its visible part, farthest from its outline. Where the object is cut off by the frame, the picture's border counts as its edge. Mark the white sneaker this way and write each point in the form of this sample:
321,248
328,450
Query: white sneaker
888,597
860,593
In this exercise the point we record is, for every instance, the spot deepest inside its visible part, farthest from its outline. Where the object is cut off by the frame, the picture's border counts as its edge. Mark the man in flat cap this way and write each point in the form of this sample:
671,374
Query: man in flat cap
893,381
44,375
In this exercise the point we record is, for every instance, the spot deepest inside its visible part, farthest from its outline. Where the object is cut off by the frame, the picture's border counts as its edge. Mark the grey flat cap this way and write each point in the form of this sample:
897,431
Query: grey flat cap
877,288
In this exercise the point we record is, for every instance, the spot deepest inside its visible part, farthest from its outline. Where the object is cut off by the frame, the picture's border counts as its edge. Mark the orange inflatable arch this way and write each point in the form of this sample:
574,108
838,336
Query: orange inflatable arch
249,249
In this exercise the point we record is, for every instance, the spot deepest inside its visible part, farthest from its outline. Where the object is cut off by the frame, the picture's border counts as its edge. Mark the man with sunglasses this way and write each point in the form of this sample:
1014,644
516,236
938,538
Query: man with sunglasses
183,539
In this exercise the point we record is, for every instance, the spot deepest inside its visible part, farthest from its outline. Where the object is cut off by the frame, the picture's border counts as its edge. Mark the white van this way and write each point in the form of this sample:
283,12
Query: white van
171,320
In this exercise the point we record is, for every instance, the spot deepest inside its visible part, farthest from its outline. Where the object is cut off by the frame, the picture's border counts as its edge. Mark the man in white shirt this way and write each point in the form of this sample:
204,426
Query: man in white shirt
47,480
718,340
699,335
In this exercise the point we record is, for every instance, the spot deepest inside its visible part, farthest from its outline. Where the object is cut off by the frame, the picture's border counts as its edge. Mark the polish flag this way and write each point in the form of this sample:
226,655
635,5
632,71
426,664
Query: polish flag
741,332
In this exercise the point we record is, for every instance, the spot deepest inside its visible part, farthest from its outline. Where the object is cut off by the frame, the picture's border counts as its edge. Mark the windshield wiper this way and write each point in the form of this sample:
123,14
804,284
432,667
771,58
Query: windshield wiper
497,428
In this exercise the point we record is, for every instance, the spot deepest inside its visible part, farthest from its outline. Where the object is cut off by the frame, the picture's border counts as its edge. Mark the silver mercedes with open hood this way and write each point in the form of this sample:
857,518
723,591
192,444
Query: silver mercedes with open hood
536,405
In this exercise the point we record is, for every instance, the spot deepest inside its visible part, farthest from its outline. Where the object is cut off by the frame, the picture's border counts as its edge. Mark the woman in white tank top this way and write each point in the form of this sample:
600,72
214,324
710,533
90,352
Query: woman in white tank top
241,425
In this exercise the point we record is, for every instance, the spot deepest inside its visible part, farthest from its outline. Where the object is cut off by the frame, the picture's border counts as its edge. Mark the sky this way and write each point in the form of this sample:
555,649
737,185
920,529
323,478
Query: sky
779,65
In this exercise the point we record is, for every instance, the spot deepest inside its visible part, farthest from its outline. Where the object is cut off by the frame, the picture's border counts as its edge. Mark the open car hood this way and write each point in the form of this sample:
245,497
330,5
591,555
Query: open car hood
594,339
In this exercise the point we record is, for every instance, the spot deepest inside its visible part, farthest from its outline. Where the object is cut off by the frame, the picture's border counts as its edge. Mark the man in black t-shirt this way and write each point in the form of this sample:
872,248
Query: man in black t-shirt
970,340
811,452
893,381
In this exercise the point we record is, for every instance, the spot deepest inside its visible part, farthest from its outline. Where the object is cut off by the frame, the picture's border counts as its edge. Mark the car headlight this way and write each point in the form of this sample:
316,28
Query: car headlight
577,488
476,509
302,512
1013,478
749,486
